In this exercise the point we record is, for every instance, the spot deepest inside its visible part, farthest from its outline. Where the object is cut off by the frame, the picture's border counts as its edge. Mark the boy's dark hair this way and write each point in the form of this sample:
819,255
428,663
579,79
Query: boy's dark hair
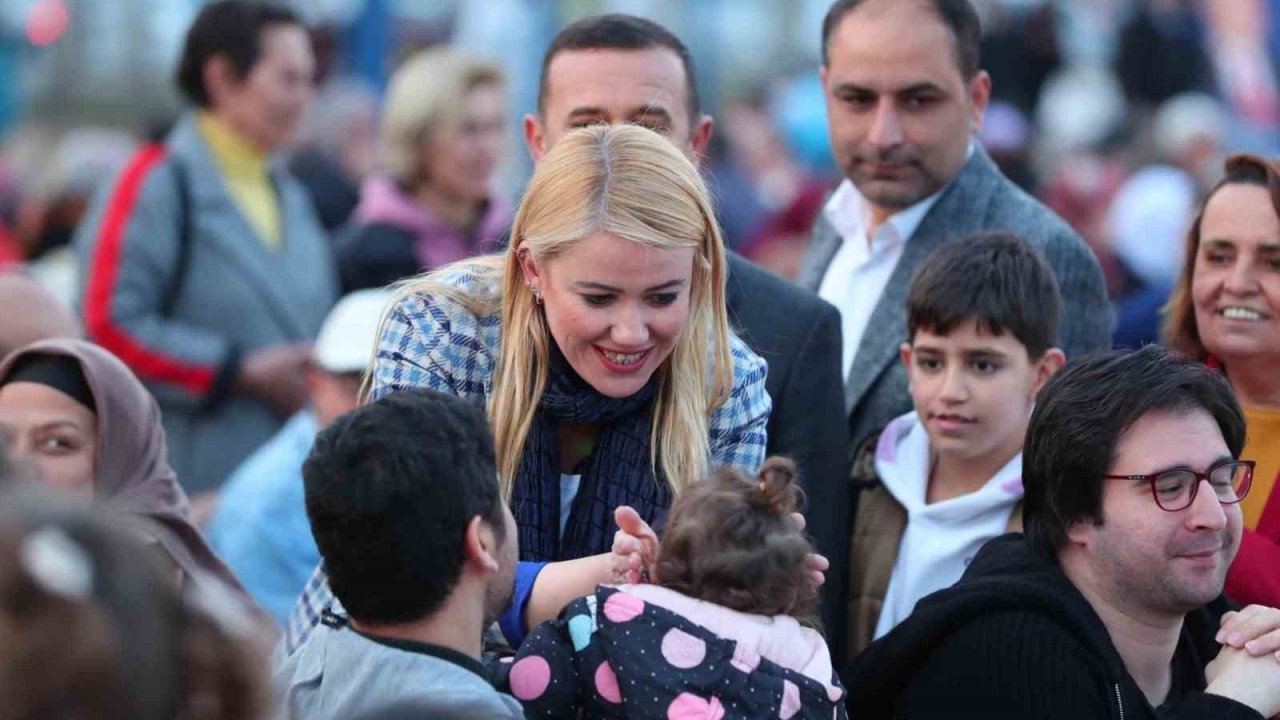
1080,416
995,278
959,16
390,489
730,540
232,29
619,32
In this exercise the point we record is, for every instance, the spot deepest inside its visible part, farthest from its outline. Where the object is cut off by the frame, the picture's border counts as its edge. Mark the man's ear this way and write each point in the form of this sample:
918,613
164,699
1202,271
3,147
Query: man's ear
904,353
1081,532
700,138
480,546
979,99
535,137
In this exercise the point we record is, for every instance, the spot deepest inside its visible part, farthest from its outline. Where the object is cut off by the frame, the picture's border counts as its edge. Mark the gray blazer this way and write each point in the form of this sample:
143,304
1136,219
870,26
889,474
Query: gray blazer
979,199
235,297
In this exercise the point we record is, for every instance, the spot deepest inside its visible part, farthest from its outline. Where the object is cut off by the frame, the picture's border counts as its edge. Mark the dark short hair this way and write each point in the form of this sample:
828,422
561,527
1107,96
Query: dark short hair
390,489
232,29
730,540
995,278
959,16
619,32
1079,418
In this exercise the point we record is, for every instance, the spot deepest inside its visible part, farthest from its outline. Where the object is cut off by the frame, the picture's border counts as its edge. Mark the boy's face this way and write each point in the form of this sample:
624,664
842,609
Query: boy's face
973,391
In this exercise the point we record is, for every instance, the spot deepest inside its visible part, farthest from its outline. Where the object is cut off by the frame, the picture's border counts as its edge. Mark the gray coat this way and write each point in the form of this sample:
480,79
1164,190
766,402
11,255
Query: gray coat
341,675
980,199
236,296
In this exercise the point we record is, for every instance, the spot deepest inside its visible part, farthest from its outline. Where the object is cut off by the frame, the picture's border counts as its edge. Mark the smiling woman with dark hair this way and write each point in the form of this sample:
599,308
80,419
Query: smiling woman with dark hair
1225,311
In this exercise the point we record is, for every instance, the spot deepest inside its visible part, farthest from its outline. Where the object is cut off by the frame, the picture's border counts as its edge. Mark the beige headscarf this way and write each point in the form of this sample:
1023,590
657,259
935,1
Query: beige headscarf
132,475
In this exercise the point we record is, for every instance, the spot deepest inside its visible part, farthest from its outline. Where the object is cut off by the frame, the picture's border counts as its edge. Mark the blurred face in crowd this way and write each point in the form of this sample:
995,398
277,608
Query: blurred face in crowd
615,307
899,111
53,432
973,390
1235,284
646,87
460,156
332,394
267,103
1146,560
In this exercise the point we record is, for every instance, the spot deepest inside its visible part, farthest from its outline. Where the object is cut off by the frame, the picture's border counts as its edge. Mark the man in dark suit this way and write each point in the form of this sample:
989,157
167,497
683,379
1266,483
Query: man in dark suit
620,68
905,96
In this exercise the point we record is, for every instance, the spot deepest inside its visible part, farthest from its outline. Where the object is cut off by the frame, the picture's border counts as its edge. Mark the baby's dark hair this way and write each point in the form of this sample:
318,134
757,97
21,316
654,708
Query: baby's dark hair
731,540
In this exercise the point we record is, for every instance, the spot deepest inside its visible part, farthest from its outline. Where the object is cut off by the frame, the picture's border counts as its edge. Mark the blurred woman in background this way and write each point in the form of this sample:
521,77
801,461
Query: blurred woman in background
1225,310
440,142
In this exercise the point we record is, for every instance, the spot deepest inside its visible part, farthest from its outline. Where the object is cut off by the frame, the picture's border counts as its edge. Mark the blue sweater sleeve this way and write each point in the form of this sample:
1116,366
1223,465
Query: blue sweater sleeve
512,620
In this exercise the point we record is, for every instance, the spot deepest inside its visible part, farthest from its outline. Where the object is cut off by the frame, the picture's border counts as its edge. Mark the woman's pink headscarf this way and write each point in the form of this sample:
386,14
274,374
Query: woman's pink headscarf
132,475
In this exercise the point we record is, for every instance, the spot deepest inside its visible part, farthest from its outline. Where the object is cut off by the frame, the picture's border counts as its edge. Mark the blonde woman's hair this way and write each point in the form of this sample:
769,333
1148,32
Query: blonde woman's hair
425,93
633,184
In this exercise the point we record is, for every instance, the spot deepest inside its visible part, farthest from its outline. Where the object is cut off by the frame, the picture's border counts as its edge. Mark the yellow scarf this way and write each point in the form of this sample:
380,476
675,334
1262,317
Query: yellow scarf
245,170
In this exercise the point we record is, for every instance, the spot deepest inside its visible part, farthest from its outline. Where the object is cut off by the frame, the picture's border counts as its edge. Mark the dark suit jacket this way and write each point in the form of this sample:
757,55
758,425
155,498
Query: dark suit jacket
979,199
798,334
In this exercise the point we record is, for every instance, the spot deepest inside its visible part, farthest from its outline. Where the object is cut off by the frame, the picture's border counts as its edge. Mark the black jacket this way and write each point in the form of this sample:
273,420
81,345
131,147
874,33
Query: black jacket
1015,639
798,334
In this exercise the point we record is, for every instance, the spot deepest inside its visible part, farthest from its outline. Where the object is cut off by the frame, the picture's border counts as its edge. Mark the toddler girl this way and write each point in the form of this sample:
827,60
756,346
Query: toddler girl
720,632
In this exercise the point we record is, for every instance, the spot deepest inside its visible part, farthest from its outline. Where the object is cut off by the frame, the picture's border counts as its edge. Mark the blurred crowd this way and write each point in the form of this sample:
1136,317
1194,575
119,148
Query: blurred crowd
212,323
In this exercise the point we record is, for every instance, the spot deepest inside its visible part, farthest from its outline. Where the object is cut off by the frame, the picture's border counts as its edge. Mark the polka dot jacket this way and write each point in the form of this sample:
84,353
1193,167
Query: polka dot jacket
613,655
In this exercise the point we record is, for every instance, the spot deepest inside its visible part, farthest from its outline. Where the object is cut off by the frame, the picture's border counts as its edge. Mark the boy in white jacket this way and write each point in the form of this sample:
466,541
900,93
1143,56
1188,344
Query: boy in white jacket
940,481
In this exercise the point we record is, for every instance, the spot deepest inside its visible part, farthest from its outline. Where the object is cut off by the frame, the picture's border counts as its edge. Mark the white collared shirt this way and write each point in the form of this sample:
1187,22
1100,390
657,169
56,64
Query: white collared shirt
860,269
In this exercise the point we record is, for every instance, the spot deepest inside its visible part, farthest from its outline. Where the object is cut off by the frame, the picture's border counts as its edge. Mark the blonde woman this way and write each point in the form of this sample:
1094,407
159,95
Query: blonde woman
440,143
599,344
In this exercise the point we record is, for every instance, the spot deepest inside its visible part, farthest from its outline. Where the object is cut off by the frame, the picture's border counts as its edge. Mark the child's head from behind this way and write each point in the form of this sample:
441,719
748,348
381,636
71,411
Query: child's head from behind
982,322
731,540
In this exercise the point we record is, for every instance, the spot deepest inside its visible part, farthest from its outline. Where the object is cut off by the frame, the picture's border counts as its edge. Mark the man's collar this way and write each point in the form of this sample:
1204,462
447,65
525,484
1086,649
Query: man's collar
850,213
440,652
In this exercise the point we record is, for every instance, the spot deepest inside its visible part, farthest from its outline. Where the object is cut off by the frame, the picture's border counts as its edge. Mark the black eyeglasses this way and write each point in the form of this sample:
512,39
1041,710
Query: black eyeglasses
1175,490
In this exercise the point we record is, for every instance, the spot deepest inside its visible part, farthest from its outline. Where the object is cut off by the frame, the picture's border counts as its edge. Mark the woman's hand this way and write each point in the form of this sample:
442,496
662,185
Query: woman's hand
817,564
635,547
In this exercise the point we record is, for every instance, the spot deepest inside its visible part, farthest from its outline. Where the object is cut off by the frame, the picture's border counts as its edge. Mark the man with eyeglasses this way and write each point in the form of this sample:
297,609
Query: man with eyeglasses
1111,604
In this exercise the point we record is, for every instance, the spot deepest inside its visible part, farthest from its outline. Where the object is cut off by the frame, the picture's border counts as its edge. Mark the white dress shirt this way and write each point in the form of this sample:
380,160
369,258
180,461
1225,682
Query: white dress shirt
860,269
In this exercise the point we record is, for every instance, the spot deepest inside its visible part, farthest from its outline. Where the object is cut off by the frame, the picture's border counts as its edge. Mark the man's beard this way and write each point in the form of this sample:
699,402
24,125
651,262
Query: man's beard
497,599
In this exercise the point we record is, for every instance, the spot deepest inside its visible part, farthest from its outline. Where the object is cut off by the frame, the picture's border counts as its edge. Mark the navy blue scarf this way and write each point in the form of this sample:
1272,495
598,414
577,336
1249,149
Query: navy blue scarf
618,472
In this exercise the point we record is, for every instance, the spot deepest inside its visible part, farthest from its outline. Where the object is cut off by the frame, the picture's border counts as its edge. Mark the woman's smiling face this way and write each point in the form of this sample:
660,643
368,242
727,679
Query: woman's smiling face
1236,280
615,308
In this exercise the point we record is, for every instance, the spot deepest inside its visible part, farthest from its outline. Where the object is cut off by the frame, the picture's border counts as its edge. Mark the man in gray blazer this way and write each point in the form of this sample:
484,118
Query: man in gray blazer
904,97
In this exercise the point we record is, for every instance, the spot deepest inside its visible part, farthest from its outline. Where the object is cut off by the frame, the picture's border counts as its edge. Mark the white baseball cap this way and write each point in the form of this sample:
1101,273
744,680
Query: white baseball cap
350,332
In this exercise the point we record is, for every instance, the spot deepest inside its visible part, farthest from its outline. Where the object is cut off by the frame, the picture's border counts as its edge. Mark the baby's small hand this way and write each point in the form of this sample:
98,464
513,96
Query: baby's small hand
635,547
